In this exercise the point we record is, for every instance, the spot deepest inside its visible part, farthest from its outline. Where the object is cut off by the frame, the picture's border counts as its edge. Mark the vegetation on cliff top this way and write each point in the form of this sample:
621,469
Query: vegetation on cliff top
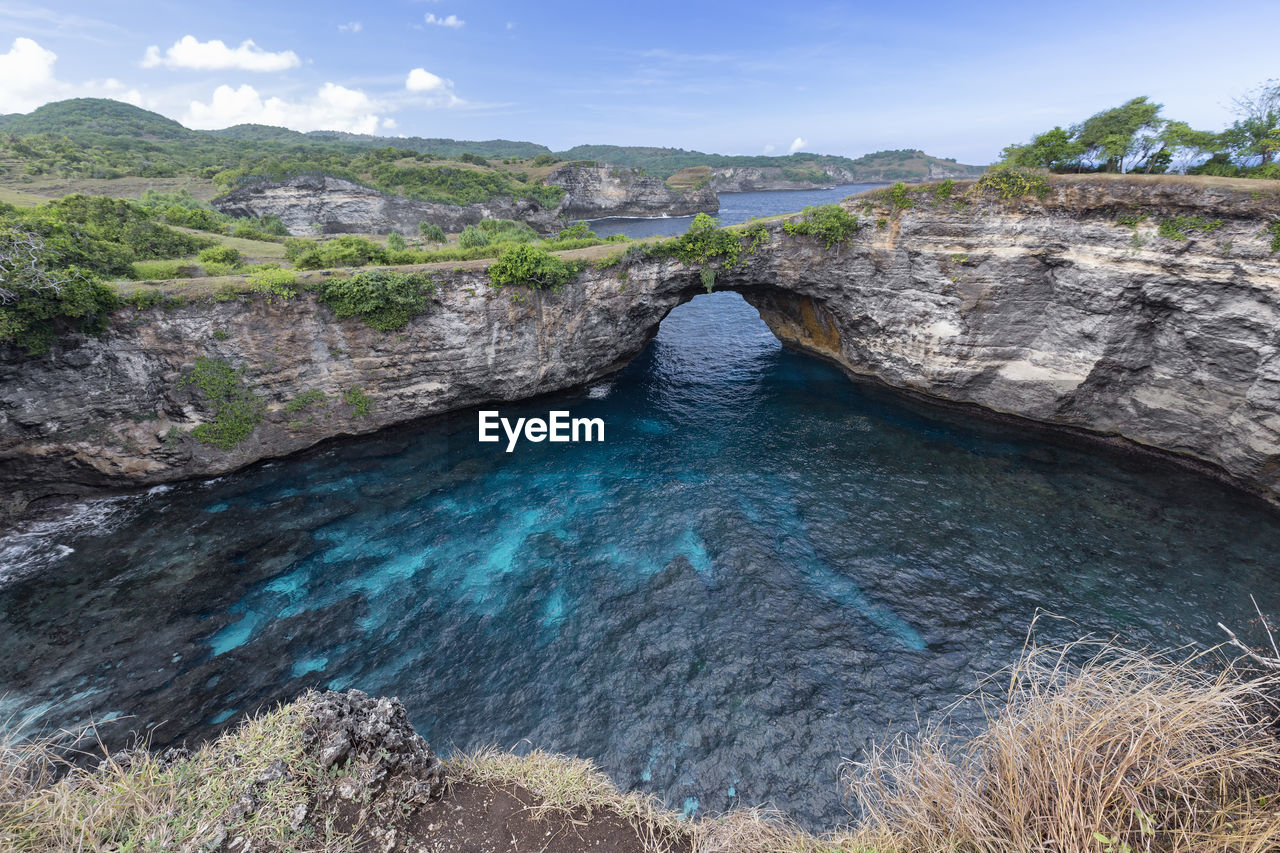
1135,137
1087,748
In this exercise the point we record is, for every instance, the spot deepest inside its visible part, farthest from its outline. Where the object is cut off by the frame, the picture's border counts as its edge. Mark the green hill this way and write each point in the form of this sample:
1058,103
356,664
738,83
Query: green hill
95,117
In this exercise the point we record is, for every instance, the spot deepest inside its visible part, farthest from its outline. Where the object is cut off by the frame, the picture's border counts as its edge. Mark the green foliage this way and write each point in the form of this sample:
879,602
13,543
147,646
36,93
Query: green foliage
1274,230
237,410
473,238
102,235
474,159
507,231
161,270
431,232
359,401
1013,183
311,397
274,281
219,255
348,250
829,223
383,299
220,334
1176,227
530,266
395,242
579,230
545,159
1055,149
707,275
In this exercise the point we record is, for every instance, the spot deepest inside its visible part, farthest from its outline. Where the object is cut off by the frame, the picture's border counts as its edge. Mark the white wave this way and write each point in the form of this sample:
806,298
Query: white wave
41,543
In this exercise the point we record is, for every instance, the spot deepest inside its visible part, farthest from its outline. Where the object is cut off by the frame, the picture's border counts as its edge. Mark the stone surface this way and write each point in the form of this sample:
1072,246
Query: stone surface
1048,311
595,192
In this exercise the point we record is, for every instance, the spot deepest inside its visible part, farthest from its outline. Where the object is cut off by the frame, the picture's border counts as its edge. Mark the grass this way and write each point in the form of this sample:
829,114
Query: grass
143,804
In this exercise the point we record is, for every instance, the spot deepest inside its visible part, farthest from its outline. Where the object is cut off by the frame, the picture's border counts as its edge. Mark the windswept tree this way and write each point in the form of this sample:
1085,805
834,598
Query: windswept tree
1120,134
1256,133
1055,150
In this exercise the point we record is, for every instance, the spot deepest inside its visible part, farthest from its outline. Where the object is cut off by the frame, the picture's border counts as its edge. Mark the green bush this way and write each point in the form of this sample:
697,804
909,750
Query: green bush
545,159
359,401
274,281
383,299
348,250
237,410
161,270
1013,183
395,242
431,232
1176,227
507,231
473,238
219,255
311,397
531,266
829,223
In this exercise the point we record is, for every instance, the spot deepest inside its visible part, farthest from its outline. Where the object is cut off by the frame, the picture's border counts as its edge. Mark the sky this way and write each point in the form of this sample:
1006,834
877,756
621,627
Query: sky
955,79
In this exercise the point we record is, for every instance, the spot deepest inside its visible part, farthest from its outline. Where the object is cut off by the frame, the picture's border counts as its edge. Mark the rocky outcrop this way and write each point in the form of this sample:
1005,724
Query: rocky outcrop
1163,333
593,192
741,179
310,205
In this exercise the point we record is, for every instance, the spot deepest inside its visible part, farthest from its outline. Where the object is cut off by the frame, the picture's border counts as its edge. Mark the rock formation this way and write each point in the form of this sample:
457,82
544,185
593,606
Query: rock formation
592,192
1159,333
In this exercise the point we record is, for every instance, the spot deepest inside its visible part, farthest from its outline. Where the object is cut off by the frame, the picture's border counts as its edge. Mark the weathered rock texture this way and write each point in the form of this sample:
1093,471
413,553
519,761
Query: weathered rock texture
1050,311
599,191
311,205
736,179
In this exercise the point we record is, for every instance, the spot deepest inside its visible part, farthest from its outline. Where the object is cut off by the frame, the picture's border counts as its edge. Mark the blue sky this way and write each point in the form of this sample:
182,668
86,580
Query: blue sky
958,80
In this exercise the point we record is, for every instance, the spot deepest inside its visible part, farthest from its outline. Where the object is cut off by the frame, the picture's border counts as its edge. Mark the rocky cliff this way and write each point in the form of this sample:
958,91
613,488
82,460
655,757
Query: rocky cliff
736,179
599,191
1143,312
310,205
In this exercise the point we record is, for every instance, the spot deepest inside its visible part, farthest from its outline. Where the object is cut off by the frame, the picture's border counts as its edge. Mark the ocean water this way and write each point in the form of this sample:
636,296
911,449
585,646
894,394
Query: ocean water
735,208
763,568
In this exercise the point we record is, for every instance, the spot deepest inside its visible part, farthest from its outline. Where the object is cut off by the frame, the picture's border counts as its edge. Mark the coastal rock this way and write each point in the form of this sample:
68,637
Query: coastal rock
311,205
1089,311
592,192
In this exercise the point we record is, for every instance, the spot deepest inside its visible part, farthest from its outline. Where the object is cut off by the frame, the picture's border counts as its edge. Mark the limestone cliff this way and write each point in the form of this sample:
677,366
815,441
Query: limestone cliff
592,192
736,179
1147,312
310,205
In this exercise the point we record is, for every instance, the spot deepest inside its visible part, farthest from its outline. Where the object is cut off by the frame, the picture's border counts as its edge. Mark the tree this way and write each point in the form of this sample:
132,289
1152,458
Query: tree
1115,135
1054,150
1254,133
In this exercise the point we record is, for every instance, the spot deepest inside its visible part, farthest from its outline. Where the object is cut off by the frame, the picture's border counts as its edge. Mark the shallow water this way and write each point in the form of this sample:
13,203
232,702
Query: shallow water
735,208
762,568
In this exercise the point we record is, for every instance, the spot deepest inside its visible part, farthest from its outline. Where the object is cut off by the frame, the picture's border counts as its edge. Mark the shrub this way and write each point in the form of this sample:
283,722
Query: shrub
473,159
395,242
219,255
36,302
274,281
1122,752
383,299
507,231
545,159
161,270
531,266
237,410
1274,230
359,401
1176,227
829,223
473,238
348,250
1013,183
311,397
431,232
579,230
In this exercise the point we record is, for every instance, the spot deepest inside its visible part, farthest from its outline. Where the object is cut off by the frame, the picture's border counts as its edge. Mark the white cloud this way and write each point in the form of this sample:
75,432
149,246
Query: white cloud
214,55
334,107
768,149
27,80
436,88
797,144
351,27
452,21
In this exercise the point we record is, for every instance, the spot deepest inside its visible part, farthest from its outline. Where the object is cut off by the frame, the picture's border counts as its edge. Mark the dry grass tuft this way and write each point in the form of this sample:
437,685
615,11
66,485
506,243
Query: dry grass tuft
574,787
138,802
1126,752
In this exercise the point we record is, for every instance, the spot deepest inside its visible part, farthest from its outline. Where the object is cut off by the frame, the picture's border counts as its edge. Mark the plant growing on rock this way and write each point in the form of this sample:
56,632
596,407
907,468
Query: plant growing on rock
829,223
531,266
237,411
38,299
1013,183
383,299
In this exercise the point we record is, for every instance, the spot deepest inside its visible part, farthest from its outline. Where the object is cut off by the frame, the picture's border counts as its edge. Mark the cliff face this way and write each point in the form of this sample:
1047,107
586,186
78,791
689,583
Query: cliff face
311,205
1052,311
594,192
736,179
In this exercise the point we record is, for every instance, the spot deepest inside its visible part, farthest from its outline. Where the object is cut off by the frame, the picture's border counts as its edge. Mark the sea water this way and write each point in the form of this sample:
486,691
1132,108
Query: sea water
762,569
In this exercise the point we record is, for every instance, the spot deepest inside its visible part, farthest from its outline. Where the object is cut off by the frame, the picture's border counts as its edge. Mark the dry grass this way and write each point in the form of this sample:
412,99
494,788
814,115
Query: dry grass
1124,752
141,804
574,787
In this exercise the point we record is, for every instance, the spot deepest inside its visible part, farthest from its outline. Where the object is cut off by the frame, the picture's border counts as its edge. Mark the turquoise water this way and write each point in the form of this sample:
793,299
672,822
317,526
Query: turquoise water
761,569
